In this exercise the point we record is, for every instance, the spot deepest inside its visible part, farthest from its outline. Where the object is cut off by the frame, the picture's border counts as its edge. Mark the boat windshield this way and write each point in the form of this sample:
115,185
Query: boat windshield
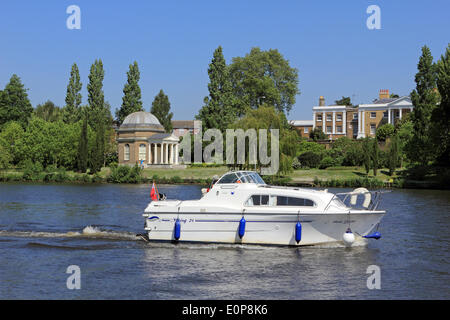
241,177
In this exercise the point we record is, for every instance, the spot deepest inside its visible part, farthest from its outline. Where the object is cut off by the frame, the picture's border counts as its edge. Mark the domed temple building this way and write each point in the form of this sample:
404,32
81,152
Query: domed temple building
142,140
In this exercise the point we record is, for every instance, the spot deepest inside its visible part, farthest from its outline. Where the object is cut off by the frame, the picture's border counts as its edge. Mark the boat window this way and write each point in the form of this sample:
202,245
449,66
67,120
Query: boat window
245,179
258,200
269,200
294,202
257,178
228,178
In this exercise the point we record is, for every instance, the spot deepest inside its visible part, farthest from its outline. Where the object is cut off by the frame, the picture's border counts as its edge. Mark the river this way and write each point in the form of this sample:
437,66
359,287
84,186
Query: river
45,228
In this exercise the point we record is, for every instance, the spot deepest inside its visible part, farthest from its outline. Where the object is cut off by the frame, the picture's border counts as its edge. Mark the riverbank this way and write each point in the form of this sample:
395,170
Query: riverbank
350,177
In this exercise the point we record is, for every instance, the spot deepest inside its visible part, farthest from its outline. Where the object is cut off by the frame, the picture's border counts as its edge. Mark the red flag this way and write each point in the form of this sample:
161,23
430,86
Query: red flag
154,193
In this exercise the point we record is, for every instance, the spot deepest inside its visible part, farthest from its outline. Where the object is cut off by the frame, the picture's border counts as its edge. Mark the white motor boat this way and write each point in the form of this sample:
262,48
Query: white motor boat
241,208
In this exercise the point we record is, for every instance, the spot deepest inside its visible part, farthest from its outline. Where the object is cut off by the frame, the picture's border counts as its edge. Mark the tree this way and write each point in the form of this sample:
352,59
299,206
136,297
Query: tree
98,114
14,103
404,133
385,131
219,110
161,110
131,101
393,155
83,149
71,112
345,101
48,111
264,77
11,139
394,96
96,98
317,135
441,114
366,153
5,157
375,156
424,99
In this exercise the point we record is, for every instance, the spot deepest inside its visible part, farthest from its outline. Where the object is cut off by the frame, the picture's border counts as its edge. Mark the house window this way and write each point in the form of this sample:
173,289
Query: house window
328,129
373,128
385,114
373,115
126,155
142,152
339,129
328,117
319,117
339,117
355,116
306,130
397,114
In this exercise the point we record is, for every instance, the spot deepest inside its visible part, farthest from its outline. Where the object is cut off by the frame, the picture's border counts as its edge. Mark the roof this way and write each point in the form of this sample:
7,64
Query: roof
183,124
385,100
163,136
300,123
141,120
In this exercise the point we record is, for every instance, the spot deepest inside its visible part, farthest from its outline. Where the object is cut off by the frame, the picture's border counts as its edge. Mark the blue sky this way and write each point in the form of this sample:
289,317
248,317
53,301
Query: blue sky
173,41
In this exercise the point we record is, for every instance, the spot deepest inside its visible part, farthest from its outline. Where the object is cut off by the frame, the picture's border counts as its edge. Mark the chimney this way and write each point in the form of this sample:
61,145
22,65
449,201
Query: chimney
384,94
321,101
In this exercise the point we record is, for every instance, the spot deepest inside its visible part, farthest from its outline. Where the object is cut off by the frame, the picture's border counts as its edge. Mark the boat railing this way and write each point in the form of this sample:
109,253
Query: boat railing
371,198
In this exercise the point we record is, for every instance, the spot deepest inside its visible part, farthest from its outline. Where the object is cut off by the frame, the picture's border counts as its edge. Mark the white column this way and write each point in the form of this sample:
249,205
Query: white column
155,154
389,115
344,122
176,154
359,122
166,153
364,123
400,110
171,154
161,161
363,129
334,122
324,129
314,120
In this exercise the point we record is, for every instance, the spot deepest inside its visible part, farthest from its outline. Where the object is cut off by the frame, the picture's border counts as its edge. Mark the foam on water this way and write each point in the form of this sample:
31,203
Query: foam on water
94,232
87,232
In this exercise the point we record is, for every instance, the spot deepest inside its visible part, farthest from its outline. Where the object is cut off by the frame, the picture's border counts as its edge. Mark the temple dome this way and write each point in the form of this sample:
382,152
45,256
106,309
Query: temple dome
141,120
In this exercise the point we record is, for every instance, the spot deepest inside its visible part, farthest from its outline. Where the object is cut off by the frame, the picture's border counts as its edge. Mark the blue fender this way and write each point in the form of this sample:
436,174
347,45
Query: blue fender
177,231
241,227
298,232
376,235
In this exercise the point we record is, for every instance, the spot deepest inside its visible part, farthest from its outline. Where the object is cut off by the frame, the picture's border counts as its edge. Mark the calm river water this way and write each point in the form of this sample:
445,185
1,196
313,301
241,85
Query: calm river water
46,228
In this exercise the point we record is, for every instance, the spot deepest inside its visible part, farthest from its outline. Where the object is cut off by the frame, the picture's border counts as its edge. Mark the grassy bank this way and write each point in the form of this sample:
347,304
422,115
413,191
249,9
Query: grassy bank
350,177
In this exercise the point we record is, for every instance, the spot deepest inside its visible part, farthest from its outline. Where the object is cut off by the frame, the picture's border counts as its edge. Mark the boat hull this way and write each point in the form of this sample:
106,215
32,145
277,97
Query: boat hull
266,229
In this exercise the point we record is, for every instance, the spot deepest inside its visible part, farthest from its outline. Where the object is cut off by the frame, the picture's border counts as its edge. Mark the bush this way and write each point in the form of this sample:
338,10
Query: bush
327,162
310,159
176,179
32,171
296,164
385,131
123,174
119,174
